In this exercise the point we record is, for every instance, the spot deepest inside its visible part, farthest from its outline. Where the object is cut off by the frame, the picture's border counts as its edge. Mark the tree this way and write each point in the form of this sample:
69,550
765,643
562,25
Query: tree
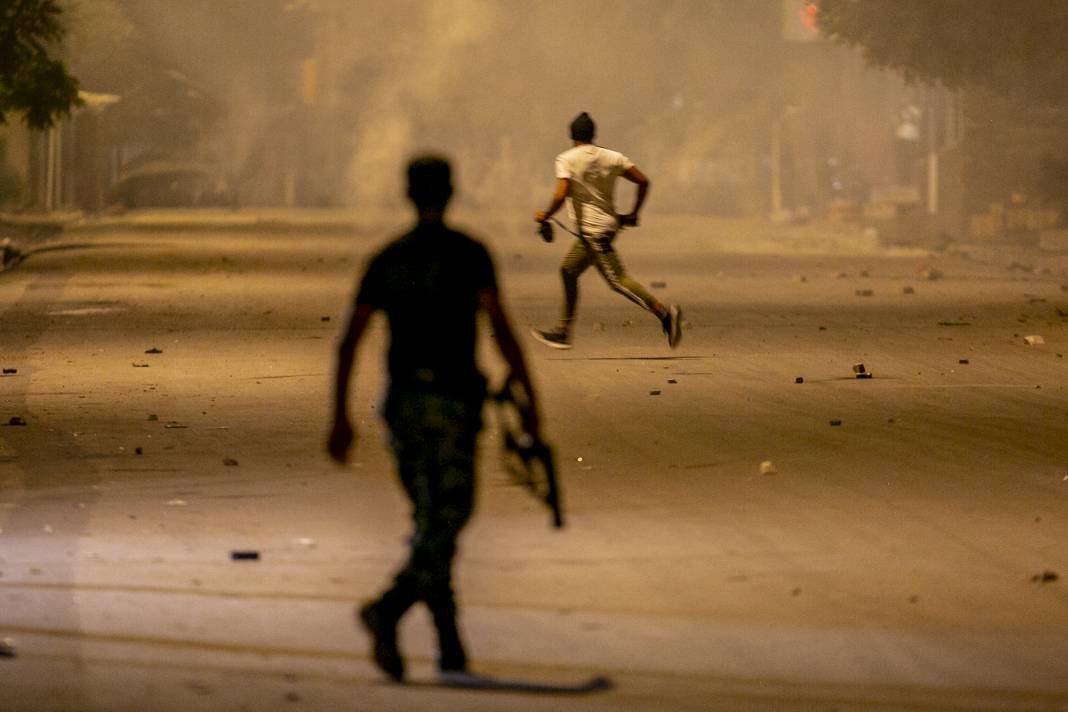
32,82
1015,48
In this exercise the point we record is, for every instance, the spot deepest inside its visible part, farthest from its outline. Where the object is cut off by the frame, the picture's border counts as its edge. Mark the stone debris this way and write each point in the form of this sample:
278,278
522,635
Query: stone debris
767,468
230,462
246,555
153,417
139,365
10,371
860,371
1034,340
177,503
139,451
799,379
325,318
863,293
7,648
154,350
908,290
954,323
1045,577
305,541
654,393
672,380
929,273
175,425
963,362
16,420
10,255
835,422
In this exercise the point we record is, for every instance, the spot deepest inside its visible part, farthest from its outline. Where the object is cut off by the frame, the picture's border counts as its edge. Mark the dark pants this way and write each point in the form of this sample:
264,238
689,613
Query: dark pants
597,250
433,438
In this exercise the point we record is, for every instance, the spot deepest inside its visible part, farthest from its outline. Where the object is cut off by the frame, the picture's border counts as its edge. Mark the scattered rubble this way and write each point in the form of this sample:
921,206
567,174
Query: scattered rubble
1045,577
175,425
325,318
10,371
860,371
7,648
238,555
767,468
16,420
835,422
230,462
1034,340
908,290
954,323
863,293
139,451
139,365
799,379
654,393
154,350
929,273
672,380
177,503
963,362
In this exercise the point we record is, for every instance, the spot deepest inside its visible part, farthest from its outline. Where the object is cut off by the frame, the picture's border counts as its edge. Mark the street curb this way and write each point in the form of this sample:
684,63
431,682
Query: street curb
40,226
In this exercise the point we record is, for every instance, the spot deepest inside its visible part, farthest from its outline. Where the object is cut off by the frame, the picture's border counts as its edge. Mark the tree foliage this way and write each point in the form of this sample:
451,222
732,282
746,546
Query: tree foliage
1015,47
32,81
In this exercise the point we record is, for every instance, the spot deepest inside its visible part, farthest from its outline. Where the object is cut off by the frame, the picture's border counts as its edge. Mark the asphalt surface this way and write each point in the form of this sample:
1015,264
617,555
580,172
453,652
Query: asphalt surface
911,557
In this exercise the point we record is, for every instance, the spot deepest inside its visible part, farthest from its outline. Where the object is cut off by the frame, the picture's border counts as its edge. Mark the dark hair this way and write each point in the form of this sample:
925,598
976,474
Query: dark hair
429,181
583,128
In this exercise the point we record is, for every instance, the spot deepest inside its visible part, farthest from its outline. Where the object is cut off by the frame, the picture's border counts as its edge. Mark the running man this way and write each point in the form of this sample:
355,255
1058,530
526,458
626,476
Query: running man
431,283
586,173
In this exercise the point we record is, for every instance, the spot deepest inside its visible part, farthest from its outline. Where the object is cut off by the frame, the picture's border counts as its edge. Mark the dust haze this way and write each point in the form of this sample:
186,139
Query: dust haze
318,102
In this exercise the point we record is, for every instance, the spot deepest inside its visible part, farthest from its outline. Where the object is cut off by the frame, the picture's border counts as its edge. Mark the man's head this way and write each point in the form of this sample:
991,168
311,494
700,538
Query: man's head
429,182
583,128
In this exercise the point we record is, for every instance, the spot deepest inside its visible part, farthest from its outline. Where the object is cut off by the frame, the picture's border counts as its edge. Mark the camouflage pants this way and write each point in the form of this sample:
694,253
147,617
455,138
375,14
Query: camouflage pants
433,439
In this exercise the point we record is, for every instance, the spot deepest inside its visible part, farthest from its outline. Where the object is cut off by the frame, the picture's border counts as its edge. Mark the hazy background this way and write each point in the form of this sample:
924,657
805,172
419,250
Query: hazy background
318,102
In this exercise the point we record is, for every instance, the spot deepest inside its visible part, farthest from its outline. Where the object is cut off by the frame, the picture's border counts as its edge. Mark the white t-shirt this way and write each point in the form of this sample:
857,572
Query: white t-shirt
592,171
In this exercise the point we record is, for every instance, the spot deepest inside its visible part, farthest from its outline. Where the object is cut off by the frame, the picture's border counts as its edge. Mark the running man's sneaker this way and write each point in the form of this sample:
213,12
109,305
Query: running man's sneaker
557,339
673,325
386,654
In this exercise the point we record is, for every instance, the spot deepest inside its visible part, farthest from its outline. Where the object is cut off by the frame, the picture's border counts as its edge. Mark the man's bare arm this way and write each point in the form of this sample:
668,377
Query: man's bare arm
563,185
635,176
342,433
490,302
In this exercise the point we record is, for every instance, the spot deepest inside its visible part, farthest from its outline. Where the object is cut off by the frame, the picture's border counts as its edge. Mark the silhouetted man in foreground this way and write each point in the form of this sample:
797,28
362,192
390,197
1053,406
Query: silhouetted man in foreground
586,177
431,283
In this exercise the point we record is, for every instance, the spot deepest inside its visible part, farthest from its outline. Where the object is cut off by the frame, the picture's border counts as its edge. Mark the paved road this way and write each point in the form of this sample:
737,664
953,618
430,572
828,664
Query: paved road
888,565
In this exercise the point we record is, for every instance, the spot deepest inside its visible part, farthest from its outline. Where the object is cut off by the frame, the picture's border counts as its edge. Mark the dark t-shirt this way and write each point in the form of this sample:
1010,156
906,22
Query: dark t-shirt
427,282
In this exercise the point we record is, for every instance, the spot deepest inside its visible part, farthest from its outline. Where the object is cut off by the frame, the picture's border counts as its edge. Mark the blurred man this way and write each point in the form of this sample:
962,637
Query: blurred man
431,283
587,174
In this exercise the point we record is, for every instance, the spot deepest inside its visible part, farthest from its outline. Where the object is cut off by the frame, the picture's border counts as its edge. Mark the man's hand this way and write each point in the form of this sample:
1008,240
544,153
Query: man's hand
541,216
342,438
628,220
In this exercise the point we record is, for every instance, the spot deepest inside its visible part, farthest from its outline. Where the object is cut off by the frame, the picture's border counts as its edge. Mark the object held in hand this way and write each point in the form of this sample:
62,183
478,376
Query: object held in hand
527,459
545,229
